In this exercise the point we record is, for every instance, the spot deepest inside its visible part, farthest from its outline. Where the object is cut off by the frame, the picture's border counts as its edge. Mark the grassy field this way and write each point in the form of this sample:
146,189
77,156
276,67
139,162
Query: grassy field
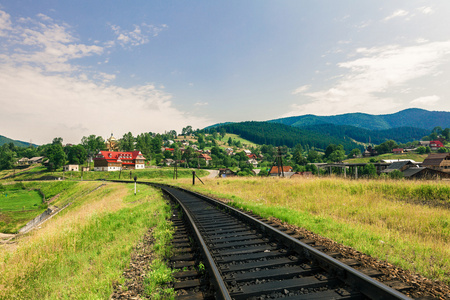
18,206
383,218
414,156
245,143
80,252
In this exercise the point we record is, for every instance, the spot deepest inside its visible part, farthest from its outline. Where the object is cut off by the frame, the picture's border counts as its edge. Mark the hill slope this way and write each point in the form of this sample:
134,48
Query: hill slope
412,117
284,135
5,140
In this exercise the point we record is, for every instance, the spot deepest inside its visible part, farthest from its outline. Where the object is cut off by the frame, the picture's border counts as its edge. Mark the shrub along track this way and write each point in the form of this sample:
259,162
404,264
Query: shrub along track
252,258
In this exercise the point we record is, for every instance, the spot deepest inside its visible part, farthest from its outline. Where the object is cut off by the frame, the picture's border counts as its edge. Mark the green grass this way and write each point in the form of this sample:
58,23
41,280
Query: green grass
84,249
18,207
236,137
146,174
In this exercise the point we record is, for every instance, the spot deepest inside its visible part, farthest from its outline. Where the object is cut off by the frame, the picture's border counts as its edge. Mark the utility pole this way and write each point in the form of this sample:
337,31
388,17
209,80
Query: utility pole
279,163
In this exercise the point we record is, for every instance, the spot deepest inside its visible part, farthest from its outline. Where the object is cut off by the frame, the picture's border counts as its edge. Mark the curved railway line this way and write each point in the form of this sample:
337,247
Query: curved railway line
241,256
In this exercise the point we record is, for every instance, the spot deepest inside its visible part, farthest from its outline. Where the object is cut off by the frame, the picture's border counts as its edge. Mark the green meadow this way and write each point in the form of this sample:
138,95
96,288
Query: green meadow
84,249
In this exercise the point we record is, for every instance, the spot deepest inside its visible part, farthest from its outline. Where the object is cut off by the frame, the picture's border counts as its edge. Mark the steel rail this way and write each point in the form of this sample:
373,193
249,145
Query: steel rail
221,289
365,284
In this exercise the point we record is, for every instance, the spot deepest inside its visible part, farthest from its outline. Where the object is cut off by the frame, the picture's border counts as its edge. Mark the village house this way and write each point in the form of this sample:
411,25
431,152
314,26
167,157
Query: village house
285,171
205,157
253,162
169,162
370,152
23,161
36,160
74,168
399,166
116,161
226,173
438,161
434,145
172,150
397,150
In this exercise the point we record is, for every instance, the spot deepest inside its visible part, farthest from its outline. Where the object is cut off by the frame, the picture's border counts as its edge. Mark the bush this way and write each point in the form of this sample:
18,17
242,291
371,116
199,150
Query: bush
396,174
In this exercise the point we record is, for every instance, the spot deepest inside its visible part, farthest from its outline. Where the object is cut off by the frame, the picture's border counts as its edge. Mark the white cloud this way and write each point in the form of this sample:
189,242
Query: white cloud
44,94
45,44
396,14
300,89
426,10
427,100
40,107
139,36
201,103
370,81
5,23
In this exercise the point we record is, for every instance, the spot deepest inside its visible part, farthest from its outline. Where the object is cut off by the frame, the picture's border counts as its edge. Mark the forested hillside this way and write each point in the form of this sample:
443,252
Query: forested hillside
413,117
5,140
284,135
400,135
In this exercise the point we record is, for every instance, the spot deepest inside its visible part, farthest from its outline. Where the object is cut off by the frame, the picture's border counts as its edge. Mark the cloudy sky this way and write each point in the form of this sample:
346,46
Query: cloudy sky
74,68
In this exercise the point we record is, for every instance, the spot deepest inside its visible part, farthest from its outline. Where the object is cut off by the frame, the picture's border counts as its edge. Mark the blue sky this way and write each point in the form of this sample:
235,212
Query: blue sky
74,68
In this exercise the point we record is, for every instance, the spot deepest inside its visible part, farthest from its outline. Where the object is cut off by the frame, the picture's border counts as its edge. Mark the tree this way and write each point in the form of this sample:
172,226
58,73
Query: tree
442,150
7,158
186,130
57,140
222,133
157,144
369,170
144,144
173,133
76,154
230,141
127,142
313,156
337,155
56,156
298,155
386,147
354,153
446,134
421,150
396,174
93,144
331,148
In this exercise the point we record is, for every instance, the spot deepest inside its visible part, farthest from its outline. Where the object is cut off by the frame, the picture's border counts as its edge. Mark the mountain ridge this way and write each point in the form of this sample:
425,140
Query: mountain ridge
411,117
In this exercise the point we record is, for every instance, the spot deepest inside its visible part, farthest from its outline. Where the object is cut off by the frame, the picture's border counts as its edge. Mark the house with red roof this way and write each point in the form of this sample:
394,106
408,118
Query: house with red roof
206,157
285,171
116,161
436,145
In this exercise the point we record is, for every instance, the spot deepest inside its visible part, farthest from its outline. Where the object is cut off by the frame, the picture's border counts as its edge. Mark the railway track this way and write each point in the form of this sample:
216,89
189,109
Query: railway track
247,258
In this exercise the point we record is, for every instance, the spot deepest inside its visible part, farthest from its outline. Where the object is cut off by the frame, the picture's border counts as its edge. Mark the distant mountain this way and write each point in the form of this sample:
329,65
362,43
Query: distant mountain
5,140
412,117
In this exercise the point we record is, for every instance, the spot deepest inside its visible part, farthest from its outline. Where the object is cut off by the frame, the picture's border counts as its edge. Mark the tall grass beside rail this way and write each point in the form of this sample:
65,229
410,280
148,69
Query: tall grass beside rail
80,252
383,218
